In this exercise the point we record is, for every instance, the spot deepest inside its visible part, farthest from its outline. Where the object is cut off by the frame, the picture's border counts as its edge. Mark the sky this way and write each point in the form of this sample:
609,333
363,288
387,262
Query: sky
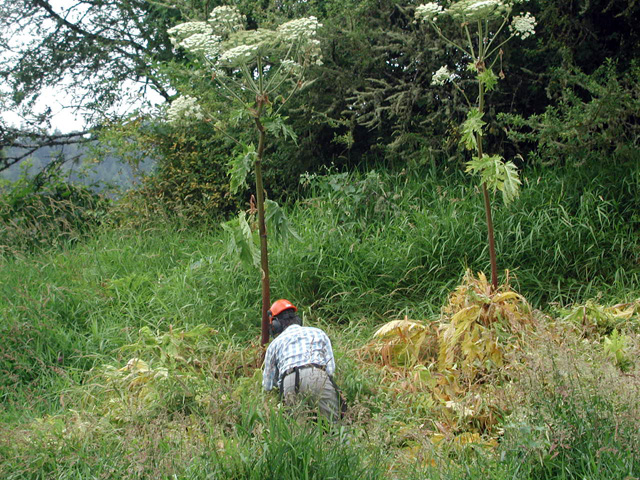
64,119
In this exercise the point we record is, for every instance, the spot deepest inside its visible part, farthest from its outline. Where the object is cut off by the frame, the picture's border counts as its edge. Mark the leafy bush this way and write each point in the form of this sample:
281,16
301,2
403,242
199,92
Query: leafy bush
593,115
596,319
190,181
166,376
46,211
353,197
466,357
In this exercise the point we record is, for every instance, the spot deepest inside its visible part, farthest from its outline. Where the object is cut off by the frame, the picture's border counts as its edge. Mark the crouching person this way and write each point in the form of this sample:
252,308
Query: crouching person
299,361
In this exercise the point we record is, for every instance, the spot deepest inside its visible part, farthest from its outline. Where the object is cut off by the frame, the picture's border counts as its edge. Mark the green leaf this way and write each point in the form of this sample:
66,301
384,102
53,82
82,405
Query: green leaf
242,241
511,185
238,115
615,346
240,166
497,175
472,129
277,222
488,79
277,126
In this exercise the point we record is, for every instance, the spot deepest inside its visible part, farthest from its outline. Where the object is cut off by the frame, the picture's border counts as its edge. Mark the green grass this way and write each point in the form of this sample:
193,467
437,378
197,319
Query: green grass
381,245
374,247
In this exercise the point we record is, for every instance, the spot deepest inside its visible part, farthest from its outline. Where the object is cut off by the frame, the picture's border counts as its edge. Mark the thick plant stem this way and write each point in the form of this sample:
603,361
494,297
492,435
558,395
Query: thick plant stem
492,246
490,235
485,193
262,229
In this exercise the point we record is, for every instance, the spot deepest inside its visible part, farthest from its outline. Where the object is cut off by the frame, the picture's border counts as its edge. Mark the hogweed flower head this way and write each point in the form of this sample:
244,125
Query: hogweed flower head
299,29
202,43
303,32
183,31
442,76
238,55
184,108
291,66
523,26
244,46
225,43
471,10
312,53
225,20
261,37
428,12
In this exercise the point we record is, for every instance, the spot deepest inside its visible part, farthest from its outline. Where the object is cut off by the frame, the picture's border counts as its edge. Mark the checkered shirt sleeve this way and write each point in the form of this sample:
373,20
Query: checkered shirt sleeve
295,347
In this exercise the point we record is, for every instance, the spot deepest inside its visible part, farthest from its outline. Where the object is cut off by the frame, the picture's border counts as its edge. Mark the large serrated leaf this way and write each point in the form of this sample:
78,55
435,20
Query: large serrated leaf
242,241
277,126
488,79
472,129
277,222
240,166
497,175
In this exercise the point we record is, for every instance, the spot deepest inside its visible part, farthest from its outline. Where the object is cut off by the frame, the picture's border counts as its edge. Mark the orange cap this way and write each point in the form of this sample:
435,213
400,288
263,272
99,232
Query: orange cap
280,306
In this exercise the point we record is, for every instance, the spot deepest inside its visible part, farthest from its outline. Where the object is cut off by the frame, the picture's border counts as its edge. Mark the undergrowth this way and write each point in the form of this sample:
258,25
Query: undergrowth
131,354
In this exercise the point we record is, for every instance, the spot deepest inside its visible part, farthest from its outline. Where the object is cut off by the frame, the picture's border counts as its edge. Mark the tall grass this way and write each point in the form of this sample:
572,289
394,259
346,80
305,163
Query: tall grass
382,244
373,246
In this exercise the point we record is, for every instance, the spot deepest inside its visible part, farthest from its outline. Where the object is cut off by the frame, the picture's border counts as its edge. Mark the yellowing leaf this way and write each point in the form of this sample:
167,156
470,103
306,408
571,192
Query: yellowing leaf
504,296
466,315
399,327
135,365
401,341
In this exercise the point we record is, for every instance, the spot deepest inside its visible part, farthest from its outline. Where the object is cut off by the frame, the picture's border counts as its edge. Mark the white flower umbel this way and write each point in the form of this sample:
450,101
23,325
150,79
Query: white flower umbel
523,26
311,53
202,43
470,10
290,66
428,12
299,29
238,55
261,36
303,31
226,20
184,109
180,32
442,76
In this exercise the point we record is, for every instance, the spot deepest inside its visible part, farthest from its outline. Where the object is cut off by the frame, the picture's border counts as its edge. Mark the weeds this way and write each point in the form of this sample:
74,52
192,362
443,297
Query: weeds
191,406
580,418
37,213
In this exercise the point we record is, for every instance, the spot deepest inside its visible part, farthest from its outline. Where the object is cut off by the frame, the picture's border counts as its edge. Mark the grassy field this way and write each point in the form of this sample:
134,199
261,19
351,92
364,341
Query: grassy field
132,353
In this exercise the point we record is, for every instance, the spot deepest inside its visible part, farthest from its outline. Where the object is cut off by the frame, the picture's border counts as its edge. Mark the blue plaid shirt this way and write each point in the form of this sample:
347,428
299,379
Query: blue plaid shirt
295,347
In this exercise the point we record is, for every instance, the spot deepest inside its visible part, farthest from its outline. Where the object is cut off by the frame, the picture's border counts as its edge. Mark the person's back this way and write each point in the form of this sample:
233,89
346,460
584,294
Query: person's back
298,346
299,361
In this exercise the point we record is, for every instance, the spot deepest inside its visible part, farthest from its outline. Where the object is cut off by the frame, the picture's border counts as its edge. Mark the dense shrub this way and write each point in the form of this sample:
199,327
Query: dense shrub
189,182
46,211
592,116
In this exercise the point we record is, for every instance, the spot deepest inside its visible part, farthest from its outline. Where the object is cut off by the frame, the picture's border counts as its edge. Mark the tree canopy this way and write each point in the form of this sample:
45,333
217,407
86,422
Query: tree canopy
372,99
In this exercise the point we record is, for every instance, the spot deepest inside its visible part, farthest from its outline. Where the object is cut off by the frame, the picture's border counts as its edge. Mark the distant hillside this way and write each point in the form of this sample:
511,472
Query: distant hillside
80,167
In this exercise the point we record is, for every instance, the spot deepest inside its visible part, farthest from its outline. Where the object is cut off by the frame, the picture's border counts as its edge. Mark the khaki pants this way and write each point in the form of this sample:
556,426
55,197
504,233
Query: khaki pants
315,388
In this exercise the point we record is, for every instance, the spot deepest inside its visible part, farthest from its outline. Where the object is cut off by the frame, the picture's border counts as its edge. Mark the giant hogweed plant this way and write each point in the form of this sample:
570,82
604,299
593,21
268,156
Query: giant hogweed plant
257,72
482,25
